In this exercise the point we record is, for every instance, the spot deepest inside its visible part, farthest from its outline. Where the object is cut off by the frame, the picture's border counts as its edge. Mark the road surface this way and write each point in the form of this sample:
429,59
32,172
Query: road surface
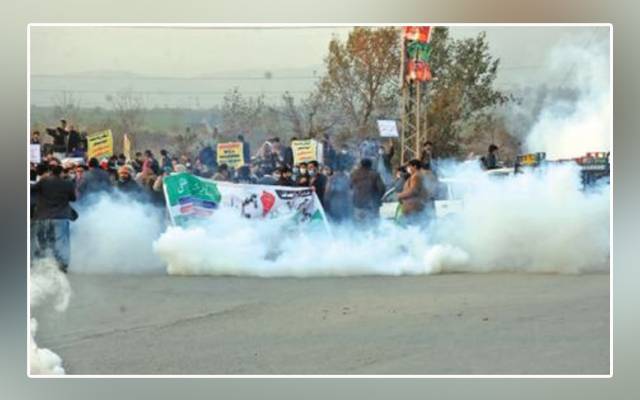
492,323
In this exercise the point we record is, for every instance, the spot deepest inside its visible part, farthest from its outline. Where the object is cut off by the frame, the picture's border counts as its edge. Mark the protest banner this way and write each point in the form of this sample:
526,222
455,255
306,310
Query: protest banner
100,144
35,153
304,150
188,196
126,146
388,128
231,154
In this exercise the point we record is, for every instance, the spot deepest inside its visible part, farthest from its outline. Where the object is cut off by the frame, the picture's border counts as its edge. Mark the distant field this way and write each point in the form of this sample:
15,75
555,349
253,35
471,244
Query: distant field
165,120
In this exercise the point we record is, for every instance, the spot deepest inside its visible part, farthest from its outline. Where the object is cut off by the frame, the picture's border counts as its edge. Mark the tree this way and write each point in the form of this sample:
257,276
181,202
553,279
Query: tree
309,117
129,110
66,106
249,115
241,114
361,77
461,96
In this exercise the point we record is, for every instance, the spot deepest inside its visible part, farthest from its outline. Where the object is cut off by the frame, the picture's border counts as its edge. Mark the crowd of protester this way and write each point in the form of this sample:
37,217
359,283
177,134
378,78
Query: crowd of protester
350,181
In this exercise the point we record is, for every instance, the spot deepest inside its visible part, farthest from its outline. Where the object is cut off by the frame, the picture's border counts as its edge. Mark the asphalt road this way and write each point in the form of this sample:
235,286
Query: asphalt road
442,324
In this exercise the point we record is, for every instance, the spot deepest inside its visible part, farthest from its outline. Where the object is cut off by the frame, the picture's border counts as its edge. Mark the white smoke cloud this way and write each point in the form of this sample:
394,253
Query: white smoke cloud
535,222
570,128
113,234
540,221
48,286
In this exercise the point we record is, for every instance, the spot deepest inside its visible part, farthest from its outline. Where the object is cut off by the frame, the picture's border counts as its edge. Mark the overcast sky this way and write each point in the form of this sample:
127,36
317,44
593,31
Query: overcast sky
288,52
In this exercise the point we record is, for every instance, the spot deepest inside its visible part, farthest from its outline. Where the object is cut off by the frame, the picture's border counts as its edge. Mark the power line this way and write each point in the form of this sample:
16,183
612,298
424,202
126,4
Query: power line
162,92
176,78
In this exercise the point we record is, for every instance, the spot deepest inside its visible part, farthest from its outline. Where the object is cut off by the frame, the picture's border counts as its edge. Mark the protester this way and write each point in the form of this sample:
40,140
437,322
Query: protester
344,159
368,190
35,137
414,195
285,177
246,148
73,141
303,178
338,197
243,175
53,213
94,181
317,180
490,161
426,155
277,149
59,136
328,151
401,177
207,157
288,154
137,162
165,160
369,149
150,162
271,179
125,182
223,173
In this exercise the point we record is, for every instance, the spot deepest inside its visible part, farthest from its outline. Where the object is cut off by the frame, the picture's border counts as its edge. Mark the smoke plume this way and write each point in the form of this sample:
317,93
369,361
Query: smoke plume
114,234
48,287
573,118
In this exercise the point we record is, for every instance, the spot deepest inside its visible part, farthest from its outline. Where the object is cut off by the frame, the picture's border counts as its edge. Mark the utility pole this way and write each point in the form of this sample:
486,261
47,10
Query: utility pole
416,48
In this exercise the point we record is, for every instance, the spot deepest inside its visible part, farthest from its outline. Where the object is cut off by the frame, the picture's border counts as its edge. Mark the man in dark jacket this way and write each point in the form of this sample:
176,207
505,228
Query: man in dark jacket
288,154
317,180
246,149
59,136
490,161
73,141
95,180
52,215
126,184
368,190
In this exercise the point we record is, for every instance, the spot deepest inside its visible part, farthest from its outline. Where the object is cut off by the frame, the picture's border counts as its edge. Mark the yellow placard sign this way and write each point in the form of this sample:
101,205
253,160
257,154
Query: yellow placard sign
304,150
100,144
231,154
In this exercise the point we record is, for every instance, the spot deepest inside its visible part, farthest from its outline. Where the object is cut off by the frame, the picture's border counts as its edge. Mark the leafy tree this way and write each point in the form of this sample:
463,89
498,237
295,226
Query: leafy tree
361,77
461,96
361,84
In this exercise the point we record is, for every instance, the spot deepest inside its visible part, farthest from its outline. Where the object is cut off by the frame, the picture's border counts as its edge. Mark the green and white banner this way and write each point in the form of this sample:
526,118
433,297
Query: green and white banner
189,196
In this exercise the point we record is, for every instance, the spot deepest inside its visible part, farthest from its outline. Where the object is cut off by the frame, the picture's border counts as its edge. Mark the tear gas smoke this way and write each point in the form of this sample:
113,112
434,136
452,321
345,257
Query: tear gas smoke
535,222
114,234
570,128
49,286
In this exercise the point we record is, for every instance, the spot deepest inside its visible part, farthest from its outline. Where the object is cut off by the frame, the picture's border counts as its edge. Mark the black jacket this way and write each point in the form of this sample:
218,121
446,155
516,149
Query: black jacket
59,136
130,187
246,152
73,141
53,197
288,157
319,182
95,180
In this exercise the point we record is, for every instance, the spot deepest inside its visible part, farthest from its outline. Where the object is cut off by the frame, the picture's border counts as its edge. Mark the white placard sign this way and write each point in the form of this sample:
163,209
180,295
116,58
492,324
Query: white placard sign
34,156
388,128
